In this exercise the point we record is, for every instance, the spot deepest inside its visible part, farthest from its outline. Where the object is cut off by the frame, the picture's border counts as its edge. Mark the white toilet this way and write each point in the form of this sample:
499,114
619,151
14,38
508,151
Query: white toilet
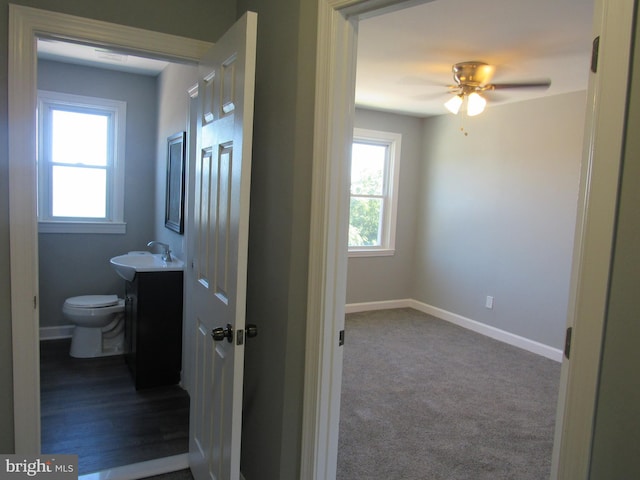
99,325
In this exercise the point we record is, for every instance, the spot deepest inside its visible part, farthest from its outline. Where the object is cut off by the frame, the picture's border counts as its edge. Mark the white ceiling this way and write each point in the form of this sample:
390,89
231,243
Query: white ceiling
97,57
405,57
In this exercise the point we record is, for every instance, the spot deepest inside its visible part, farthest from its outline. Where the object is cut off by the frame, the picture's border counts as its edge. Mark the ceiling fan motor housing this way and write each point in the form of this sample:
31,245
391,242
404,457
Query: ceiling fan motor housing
472,74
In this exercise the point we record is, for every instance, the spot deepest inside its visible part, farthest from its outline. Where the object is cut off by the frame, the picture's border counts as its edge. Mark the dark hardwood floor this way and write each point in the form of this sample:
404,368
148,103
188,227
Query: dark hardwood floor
91,408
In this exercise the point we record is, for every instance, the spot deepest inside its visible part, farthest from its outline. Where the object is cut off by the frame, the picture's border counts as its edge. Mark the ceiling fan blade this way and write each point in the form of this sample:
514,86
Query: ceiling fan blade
495,97
425,97
538,84
417,80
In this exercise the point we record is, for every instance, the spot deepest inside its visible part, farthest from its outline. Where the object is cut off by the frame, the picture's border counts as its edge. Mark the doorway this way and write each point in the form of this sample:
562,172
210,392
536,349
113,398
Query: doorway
74,414
24,240
338,27
454,180
326,299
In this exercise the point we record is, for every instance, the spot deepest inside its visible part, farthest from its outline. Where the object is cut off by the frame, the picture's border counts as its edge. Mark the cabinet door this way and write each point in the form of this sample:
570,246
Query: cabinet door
131,313
158,329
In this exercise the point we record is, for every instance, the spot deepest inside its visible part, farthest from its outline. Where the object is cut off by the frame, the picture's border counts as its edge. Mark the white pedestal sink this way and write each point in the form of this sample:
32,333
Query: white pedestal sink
127,265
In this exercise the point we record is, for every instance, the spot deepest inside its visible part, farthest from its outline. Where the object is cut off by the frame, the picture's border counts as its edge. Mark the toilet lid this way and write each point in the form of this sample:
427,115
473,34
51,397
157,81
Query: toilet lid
93,301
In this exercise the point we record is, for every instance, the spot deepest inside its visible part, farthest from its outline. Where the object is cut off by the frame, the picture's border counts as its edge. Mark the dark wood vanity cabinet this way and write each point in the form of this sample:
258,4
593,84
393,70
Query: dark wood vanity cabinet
153,328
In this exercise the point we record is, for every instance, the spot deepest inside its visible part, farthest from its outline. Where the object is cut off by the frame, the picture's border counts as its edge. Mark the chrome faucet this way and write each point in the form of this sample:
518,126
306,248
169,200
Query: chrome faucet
166,251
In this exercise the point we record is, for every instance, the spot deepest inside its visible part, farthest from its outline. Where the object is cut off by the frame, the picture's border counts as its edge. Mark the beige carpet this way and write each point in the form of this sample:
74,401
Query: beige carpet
425,399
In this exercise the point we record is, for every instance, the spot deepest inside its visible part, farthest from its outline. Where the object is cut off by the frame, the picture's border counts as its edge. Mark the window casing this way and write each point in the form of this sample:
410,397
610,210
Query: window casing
81,143
375,166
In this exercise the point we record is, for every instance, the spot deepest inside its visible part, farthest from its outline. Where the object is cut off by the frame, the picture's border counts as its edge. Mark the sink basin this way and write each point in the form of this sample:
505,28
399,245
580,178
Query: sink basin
127,265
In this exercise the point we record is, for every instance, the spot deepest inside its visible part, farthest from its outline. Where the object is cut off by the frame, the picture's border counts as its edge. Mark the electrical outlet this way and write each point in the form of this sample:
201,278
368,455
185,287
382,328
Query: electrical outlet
489,302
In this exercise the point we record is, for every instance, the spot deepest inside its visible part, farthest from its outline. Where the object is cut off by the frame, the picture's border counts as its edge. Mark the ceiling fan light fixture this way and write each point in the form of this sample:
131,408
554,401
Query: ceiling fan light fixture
454,104
475,104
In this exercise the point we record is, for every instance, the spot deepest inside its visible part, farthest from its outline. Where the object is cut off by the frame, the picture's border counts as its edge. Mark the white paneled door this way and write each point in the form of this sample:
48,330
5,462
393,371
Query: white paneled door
219,261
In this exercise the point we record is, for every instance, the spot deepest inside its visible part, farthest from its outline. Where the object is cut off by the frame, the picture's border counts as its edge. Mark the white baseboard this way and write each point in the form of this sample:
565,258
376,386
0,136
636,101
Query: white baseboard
142,469
55,333
383,305
481,328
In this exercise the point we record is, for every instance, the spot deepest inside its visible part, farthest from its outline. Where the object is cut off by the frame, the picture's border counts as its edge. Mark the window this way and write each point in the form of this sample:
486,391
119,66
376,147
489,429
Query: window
375,163
80,164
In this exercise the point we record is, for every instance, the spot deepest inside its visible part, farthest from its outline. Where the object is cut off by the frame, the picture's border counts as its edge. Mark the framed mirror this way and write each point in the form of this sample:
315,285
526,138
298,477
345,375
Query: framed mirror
174,211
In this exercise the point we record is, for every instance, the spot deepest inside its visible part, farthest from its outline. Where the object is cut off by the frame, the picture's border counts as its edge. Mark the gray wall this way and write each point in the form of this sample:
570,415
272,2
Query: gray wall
156,109
201,19
78,264
173,111
490,213
280,207
391,277
279,237
617,421
497,215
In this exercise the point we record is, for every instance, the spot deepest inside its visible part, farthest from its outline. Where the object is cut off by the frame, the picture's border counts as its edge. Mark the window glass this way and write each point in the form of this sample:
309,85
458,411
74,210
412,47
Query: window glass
364,227
79,192
80,164
79,138
373,191
367,190
367,169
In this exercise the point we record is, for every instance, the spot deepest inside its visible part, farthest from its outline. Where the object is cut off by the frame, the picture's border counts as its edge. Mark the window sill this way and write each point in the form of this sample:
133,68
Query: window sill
378,252
82,227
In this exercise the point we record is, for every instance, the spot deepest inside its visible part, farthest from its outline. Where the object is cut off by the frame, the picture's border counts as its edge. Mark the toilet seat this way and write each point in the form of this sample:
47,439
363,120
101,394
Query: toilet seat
98,325
92,307
92,301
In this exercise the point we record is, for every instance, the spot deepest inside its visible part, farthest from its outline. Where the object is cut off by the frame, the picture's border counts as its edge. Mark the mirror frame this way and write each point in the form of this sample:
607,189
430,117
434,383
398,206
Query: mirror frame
174,208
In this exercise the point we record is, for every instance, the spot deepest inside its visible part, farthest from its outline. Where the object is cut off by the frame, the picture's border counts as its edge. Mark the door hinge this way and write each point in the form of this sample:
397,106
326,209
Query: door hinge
341,338
35,302
595,47
567,342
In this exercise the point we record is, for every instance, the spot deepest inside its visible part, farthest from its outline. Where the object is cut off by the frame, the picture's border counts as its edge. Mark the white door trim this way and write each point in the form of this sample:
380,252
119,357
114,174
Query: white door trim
593,244
337,31
327,264
25,25
334,111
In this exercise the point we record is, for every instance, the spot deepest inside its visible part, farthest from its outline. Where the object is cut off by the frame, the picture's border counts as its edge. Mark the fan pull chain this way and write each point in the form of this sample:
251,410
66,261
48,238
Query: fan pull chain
462,130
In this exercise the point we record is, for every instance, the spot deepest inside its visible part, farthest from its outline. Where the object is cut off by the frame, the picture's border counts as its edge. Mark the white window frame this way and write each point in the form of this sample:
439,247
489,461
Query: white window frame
114,219
391,190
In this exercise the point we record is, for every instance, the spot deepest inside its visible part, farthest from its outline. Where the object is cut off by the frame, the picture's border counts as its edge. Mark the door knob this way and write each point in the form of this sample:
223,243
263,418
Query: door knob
220,333
251,330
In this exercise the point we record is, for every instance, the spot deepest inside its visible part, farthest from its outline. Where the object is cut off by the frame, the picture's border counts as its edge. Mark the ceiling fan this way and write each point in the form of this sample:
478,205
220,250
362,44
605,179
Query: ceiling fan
473,80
